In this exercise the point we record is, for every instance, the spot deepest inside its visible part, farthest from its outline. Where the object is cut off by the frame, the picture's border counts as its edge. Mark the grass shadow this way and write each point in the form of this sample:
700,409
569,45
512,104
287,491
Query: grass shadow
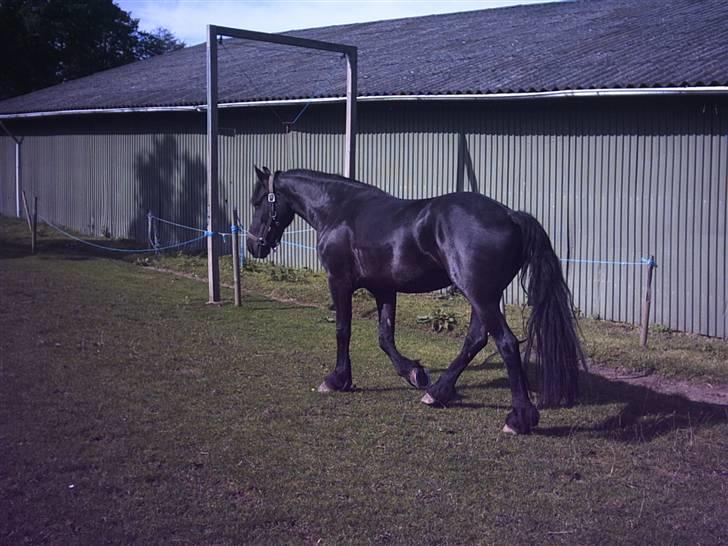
645,413
52,246
403,388
11,250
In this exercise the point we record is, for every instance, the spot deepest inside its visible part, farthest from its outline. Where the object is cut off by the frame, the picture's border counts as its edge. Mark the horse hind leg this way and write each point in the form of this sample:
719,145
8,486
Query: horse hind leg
523,416
483,321
443,391
411,370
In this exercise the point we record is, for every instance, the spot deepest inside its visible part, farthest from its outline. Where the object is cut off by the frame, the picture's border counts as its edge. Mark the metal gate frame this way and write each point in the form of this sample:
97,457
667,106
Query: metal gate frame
213,33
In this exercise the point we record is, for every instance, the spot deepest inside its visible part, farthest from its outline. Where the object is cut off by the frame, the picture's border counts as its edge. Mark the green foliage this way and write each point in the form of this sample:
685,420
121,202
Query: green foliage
363,296
281,273
51,41
660,329
252,266
440,320
157,42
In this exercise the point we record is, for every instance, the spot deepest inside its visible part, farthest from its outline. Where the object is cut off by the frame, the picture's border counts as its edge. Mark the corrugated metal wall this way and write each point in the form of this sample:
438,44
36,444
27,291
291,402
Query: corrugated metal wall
612,180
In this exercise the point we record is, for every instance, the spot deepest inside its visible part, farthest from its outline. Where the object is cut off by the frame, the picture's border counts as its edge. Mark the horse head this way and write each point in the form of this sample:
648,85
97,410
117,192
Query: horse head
272,214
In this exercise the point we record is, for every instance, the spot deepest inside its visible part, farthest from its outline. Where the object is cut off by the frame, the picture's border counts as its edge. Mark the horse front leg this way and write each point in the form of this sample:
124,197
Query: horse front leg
411,370
340,378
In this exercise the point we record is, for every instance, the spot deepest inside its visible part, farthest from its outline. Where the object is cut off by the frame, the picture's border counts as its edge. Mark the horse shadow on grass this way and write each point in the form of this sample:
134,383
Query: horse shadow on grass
644,414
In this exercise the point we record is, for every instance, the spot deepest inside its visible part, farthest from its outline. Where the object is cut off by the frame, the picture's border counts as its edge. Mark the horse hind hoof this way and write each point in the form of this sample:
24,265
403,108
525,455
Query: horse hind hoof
326,387
428,400
323,387
509,430
419,378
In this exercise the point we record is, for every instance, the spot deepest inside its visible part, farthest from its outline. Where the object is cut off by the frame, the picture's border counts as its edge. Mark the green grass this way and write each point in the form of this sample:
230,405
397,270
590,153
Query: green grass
132,412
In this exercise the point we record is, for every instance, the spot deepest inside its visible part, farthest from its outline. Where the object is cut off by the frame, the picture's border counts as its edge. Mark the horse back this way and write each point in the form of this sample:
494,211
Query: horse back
421,245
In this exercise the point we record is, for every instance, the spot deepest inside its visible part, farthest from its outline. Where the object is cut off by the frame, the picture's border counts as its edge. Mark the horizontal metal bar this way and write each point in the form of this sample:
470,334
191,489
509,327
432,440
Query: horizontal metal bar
607,92
281,39
664,91
142,109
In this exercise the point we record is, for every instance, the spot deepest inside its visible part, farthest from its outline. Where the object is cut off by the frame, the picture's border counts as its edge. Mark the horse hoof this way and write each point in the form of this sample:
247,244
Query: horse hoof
323,387
429,400
419,378
508,430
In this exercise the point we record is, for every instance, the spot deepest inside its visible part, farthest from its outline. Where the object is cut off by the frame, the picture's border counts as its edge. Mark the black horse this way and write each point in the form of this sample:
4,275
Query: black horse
370,239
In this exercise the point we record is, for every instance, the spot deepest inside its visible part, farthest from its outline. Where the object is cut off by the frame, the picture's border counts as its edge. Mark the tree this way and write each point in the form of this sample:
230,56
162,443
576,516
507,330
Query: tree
159,41
50,41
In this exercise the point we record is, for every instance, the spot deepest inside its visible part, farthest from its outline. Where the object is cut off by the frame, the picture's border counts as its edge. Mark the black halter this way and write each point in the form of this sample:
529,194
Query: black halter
272,219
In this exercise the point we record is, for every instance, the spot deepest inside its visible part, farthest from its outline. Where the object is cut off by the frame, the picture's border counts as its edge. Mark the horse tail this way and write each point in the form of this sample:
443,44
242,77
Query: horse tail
552,325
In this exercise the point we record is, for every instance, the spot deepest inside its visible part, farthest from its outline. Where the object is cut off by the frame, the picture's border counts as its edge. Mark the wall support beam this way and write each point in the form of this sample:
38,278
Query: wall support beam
18,176
351,128
213,243
18,167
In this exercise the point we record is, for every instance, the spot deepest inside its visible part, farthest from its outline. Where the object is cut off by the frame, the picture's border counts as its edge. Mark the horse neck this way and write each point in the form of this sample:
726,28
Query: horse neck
313,200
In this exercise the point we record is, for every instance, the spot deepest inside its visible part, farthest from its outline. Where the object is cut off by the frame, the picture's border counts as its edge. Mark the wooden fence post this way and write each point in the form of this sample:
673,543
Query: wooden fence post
236,256
34,230
27,212
149,228
647,302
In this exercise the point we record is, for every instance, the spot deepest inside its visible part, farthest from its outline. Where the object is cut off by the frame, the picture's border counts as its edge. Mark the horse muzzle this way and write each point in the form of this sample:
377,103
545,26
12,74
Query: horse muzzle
257,247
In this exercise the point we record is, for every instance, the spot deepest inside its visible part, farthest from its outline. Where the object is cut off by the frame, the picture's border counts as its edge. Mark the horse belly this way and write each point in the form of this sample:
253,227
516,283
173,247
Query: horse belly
434,280
403,273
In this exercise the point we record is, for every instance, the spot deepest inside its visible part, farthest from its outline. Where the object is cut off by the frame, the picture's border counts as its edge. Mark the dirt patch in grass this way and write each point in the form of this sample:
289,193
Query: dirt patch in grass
696,390
132,412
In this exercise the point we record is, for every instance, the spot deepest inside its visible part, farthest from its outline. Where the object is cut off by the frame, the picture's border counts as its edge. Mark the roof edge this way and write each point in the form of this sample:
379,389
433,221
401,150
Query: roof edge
531,95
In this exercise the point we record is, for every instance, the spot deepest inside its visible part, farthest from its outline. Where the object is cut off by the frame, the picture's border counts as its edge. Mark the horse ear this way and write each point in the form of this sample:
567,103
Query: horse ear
262,175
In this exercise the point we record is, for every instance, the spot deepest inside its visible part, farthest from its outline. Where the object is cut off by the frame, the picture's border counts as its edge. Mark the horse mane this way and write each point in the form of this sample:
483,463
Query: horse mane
328,178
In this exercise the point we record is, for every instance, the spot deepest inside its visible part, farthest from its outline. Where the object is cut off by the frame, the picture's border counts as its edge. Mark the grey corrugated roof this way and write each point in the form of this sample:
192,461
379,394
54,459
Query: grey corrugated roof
587,44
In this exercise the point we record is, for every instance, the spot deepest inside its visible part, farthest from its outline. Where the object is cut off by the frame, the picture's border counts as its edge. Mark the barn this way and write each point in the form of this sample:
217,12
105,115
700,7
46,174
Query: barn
606,119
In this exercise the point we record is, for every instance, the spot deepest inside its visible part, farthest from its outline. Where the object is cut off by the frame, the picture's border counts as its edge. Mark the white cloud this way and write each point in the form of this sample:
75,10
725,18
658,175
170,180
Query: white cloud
187,19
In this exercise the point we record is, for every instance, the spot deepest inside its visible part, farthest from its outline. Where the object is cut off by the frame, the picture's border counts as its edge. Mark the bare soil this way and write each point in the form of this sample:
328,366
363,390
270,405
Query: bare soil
696,390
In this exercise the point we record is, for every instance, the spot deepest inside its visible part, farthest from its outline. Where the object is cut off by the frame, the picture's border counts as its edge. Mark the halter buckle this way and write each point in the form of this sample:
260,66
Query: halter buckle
271,197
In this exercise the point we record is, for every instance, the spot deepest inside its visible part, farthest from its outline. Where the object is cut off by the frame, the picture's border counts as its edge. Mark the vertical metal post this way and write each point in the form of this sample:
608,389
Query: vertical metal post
645,326
18,167
18,177
236,256
351,126
213,244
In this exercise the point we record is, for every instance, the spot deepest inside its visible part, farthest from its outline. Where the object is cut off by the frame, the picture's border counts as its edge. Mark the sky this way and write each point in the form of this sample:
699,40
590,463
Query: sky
187,19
